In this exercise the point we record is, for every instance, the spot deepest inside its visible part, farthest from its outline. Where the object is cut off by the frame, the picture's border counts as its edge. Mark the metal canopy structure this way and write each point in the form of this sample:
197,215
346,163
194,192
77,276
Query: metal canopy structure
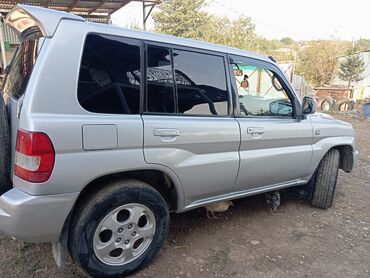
92,10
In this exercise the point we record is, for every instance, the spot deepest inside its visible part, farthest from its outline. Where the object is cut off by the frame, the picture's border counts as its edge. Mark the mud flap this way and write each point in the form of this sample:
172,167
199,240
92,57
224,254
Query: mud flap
60,248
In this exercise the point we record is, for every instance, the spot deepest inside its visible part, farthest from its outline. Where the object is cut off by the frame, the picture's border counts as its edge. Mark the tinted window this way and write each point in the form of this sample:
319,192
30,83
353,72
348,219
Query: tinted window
109,80
21,68
200,83
260,92
161,94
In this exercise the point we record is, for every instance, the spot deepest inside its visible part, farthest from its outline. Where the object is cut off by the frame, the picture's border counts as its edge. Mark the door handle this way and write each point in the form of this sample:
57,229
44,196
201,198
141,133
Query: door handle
255,130
166,132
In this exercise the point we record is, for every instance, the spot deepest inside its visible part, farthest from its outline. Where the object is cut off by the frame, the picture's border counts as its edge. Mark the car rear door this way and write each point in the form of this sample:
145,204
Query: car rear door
188,125
33,27
275,145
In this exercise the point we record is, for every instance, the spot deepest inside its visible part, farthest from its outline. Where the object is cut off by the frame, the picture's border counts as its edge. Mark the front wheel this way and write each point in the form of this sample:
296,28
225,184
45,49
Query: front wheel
326,180
119,229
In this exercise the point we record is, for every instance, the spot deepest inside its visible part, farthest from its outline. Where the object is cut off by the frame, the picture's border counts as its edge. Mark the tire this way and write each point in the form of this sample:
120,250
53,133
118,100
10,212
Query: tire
326,180
344,102
93,211
325,104
5,182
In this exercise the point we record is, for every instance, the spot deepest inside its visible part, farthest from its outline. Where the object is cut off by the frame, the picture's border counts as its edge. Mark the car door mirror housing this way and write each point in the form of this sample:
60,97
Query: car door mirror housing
308,105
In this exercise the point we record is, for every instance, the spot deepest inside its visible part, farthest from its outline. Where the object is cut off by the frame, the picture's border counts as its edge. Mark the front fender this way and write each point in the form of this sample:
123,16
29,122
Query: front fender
345,144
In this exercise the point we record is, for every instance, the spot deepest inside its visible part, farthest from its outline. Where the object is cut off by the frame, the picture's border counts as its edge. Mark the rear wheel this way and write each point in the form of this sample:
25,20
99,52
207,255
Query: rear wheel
326,180
119,229
4,149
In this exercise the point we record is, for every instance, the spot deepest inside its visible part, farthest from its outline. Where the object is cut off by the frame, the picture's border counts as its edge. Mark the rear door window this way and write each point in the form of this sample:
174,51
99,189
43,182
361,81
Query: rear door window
201,83
186,83
160,85
110,76
20,69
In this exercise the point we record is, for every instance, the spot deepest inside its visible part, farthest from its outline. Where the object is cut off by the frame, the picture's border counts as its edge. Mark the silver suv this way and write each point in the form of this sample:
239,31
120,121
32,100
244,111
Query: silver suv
112,129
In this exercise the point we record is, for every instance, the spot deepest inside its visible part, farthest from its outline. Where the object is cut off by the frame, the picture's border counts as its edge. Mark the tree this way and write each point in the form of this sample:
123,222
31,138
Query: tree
185,18
238,33
362,45
182,18
287,41
352,67
317,60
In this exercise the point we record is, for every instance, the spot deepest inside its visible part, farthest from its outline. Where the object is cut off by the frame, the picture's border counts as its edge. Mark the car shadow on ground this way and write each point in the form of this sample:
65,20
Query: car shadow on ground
184,225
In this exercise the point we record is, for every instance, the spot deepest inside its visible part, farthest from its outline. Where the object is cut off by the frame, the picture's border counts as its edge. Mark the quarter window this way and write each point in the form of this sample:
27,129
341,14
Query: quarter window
109,80
260,92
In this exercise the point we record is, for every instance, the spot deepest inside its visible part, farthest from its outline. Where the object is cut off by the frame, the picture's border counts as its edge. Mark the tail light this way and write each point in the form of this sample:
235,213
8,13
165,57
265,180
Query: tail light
34,156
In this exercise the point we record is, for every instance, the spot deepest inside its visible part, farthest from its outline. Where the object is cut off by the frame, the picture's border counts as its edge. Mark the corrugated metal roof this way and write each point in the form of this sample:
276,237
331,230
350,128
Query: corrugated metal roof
93,10
10,36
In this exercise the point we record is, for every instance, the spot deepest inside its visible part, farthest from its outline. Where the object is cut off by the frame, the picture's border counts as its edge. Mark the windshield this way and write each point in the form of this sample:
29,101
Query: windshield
20,69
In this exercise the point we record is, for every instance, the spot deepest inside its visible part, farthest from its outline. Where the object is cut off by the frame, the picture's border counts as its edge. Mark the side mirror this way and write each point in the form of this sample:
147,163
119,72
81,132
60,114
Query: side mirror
308,106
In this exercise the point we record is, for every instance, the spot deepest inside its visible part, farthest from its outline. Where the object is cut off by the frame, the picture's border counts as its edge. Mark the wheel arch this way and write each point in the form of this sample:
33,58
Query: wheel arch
171,190
346,156
163,180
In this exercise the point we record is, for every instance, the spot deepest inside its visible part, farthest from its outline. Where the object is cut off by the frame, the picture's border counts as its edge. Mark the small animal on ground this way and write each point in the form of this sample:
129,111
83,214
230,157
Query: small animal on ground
273,200
217,207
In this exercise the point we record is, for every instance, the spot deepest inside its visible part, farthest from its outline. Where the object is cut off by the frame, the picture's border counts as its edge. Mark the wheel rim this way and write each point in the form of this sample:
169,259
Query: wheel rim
124,234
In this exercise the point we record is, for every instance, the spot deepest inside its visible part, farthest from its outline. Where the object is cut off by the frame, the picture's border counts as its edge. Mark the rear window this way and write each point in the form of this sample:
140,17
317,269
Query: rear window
109,80
20,69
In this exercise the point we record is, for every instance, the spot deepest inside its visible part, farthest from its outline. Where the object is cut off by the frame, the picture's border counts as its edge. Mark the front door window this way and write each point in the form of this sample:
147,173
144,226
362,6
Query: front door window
260,92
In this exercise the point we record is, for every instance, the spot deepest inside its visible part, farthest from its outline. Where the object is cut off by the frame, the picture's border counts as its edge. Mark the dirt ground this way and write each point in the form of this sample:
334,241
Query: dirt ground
248,240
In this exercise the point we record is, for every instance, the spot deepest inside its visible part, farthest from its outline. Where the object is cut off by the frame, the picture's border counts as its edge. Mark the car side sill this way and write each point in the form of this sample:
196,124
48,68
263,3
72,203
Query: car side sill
240,194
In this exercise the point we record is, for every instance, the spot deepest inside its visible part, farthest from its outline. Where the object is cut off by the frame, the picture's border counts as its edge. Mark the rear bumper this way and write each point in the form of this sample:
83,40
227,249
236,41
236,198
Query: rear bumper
34,218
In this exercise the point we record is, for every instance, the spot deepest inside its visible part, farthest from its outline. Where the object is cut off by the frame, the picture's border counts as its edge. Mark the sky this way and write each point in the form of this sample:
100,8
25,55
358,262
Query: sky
298,19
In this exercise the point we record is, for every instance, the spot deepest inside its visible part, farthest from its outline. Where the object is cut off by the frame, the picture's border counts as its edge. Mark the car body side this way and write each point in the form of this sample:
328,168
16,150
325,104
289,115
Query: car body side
50,105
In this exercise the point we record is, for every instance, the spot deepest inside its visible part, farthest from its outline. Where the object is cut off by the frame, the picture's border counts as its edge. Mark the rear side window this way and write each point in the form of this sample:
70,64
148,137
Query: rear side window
20,69
186,82
200,83
160,86
110,77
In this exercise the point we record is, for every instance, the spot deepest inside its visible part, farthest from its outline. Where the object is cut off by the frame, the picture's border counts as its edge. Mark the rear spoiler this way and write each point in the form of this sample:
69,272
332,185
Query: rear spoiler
24,17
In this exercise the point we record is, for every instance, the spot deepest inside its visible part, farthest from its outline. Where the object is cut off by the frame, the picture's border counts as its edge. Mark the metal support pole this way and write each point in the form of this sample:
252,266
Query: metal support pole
147,14
144,16
2,42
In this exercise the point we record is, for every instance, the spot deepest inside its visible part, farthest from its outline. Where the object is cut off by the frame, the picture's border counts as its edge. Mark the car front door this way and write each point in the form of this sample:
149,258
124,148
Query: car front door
275,145
188,126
